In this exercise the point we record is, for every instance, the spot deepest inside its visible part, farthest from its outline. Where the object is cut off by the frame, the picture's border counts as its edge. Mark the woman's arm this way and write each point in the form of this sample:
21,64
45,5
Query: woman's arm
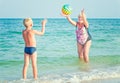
84,19
71,21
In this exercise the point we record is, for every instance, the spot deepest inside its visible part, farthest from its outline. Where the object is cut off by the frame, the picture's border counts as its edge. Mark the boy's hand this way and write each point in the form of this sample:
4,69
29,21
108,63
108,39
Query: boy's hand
44,22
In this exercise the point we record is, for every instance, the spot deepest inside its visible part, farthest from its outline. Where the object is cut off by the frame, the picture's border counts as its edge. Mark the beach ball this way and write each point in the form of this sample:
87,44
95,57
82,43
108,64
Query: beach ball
66,9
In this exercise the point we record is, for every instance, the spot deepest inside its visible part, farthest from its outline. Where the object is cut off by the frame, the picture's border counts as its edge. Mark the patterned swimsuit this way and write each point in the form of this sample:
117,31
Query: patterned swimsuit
82,35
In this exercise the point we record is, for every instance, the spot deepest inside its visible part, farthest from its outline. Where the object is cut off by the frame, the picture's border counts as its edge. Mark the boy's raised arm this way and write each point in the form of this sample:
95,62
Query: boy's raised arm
43,28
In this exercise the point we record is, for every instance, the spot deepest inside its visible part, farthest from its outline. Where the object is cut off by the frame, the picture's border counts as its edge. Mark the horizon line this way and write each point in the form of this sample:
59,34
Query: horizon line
59,18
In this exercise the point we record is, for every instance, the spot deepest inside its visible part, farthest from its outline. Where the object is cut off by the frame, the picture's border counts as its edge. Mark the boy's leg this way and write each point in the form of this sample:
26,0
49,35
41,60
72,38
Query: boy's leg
80,51
26,63
34,64
86,51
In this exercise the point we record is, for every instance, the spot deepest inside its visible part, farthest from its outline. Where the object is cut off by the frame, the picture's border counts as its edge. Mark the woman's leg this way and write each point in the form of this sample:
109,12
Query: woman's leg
80,51
86,51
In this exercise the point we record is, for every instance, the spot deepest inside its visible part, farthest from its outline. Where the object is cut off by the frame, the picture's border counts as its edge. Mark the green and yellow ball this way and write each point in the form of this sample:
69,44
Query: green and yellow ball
66,9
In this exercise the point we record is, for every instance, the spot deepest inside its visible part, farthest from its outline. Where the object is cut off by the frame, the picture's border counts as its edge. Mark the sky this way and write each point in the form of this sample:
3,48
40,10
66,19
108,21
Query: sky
52,8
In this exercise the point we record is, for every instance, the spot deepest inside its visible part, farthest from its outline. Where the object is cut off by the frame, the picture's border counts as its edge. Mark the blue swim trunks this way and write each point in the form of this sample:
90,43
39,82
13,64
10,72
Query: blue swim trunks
29,50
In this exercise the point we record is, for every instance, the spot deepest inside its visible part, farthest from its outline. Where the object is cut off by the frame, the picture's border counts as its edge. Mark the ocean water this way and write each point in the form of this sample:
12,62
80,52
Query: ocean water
57,51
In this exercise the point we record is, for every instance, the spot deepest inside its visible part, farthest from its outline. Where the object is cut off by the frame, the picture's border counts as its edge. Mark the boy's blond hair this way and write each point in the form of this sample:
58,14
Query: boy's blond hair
27,22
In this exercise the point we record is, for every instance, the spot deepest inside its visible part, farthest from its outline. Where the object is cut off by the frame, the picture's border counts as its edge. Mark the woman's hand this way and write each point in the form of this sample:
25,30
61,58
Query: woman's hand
64,15
82,11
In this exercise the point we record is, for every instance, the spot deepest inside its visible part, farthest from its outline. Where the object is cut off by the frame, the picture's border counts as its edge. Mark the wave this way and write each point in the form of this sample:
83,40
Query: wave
63,69
15,32
75,77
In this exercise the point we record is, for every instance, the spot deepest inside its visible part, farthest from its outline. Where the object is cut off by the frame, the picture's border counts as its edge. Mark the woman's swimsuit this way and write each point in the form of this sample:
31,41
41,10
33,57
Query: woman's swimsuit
29,50
82,35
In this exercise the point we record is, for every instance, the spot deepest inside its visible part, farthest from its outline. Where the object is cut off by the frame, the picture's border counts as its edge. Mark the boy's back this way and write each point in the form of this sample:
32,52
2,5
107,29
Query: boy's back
29,38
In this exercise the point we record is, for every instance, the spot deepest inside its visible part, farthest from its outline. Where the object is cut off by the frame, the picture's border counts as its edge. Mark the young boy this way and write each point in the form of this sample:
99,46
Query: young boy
30,45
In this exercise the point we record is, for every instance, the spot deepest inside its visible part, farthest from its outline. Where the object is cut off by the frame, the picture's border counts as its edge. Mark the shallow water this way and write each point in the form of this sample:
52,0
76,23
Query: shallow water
57,52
